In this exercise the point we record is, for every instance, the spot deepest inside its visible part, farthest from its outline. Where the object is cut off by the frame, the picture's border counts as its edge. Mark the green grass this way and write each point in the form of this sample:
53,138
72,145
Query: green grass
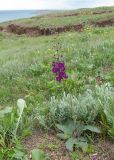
25,62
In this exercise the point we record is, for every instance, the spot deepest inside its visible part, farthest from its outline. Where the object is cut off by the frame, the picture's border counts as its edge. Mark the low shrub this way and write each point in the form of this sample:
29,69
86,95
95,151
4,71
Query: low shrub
94,107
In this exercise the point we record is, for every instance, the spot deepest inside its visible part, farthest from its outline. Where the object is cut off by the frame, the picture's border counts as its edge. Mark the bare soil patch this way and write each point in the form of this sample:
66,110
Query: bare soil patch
1,28
37,31
104,23
104,150
103,12
69,15
56,150
49,143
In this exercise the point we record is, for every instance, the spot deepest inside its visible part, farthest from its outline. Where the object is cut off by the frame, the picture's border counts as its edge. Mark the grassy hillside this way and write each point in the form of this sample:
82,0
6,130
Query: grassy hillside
69,17
26,62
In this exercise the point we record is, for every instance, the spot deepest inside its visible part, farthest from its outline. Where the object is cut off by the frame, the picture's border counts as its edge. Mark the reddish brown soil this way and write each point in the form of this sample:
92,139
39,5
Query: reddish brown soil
69,15
103,12
99,80
104,23
37,31
1,28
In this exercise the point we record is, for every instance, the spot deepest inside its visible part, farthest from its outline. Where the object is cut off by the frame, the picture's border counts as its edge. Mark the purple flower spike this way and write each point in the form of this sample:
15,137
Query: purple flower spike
94,158
61,64
61,74
55,69
58,68
65,76
58,78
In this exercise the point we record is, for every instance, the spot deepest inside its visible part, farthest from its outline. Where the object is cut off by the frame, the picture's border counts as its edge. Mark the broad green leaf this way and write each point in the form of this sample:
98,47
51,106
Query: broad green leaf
38,155
92,129
18,154
67,127
63,136
70,144
80,144
82,139
5,111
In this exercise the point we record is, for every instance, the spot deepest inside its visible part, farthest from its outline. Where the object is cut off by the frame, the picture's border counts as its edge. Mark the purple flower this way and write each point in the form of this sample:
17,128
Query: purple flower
61,64
61,74
94,158
58,78
58,68
65,76
55,69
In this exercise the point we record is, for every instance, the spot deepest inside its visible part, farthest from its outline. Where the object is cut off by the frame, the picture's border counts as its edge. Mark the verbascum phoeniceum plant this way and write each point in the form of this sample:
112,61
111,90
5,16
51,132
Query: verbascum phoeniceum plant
58,68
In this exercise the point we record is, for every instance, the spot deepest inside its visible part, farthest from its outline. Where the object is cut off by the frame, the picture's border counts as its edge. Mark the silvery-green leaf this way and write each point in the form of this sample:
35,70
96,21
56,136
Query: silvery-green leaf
70,144
21,105
5,111
67,127
38,155
80,144
63,136
92,129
